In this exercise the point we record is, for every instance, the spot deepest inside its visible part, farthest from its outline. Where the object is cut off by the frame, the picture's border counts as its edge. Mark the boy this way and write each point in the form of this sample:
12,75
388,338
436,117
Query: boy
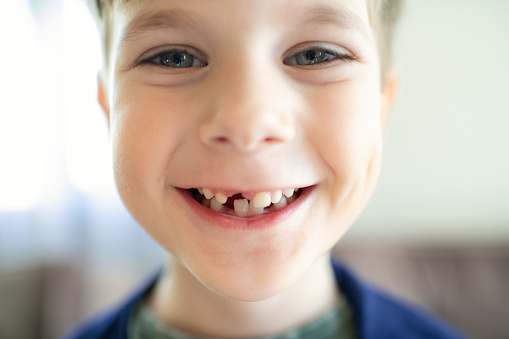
247,138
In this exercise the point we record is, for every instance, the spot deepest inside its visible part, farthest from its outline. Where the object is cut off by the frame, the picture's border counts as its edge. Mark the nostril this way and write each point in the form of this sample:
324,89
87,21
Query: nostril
245,135
271,140
220,141
245,143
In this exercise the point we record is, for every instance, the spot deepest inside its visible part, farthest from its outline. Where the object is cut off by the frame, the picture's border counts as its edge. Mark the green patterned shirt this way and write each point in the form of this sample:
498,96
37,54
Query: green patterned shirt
339,323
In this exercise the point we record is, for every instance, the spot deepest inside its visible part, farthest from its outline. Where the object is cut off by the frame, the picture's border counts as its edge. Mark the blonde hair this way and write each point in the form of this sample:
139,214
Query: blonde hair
383,15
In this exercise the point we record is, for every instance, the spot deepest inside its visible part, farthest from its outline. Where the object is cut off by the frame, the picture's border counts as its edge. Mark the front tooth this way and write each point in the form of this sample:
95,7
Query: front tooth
288,192
275,196
241,207
221,198
207,193
200,191
215,205
255,210
281,203
261,200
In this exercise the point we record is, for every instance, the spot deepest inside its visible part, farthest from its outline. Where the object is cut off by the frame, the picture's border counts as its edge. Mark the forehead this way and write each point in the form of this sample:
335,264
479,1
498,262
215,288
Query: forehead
142,15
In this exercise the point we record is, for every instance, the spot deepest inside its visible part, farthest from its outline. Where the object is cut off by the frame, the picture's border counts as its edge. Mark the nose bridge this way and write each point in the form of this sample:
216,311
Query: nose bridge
249,108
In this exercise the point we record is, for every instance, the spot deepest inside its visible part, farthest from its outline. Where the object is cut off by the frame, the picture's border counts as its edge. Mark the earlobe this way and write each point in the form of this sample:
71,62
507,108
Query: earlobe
389,95
102,95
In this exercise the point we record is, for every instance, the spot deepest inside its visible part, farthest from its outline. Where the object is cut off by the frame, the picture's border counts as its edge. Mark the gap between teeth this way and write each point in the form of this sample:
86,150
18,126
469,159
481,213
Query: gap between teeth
244,207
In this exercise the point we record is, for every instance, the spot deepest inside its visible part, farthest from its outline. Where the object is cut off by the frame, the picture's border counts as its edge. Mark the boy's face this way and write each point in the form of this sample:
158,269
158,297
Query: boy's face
245,96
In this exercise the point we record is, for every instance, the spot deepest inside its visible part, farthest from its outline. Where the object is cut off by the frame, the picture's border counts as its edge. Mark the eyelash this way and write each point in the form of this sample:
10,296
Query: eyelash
335,56
150,60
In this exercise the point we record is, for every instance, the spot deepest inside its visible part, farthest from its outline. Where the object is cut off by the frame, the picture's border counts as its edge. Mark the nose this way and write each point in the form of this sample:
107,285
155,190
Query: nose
252,108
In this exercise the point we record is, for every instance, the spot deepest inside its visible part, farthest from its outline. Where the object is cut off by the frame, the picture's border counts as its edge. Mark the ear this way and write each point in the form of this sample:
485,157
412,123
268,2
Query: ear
390,92
102,95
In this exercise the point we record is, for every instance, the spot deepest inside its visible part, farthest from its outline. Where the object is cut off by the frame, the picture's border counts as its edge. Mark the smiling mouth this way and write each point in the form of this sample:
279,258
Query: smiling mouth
246,204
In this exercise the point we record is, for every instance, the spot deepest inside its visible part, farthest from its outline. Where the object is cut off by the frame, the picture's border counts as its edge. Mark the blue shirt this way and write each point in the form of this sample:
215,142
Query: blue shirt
378,315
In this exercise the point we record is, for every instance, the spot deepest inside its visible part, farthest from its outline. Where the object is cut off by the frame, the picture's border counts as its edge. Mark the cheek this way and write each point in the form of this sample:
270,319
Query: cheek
147,124
346,130
146,128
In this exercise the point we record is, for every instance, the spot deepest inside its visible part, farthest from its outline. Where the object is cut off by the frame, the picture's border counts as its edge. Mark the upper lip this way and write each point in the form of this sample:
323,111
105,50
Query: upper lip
262,187
241,190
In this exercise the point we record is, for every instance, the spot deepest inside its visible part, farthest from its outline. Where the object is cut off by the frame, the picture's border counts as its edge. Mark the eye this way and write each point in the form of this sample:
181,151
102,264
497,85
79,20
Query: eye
174,59
315,56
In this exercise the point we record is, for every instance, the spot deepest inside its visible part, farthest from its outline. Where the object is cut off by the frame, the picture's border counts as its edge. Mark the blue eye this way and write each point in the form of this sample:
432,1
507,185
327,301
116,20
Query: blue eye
175,59
316,56
313,56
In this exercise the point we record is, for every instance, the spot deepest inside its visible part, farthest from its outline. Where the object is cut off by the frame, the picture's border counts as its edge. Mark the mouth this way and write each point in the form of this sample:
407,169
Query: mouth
246,204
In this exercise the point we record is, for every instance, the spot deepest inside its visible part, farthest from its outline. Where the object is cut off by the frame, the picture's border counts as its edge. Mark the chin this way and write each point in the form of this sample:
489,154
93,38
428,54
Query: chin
253,279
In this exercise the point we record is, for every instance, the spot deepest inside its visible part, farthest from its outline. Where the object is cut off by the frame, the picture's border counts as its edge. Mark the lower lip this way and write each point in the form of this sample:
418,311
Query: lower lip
233,223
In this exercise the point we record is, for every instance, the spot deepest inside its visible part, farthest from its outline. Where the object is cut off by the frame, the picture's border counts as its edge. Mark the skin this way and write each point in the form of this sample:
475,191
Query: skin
249,120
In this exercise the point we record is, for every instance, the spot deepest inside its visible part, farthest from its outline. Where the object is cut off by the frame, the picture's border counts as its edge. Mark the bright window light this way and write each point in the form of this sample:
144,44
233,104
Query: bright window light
87,147
22,165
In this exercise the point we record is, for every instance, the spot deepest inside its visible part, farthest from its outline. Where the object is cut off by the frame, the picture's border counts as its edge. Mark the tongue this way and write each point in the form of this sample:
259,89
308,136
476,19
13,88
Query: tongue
229,202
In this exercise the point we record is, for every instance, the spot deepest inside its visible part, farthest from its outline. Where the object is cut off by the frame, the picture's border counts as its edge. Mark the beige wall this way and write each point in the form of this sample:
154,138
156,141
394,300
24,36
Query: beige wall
445,174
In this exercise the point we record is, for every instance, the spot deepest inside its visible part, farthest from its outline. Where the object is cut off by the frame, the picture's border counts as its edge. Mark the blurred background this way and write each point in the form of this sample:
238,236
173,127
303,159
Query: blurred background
436,231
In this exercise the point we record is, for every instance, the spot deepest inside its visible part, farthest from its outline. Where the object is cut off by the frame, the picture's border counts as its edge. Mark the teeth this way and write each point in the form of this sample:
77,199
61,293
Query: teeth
221,198
241,207
207,193
261,200
281,203
288,192
215,205
245,207
255,210
275,197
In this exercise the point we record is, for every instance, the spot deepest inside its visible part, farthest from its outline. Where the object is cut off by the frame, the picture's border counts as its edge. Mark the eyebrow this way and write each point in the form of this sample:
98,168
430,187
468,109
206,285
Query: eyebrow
176,18
171,18
326,14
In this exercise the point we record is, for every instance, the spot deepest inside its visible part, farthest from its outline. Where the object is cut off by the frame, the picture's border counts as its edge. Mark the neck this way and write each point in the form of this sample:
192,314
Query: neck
183,302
